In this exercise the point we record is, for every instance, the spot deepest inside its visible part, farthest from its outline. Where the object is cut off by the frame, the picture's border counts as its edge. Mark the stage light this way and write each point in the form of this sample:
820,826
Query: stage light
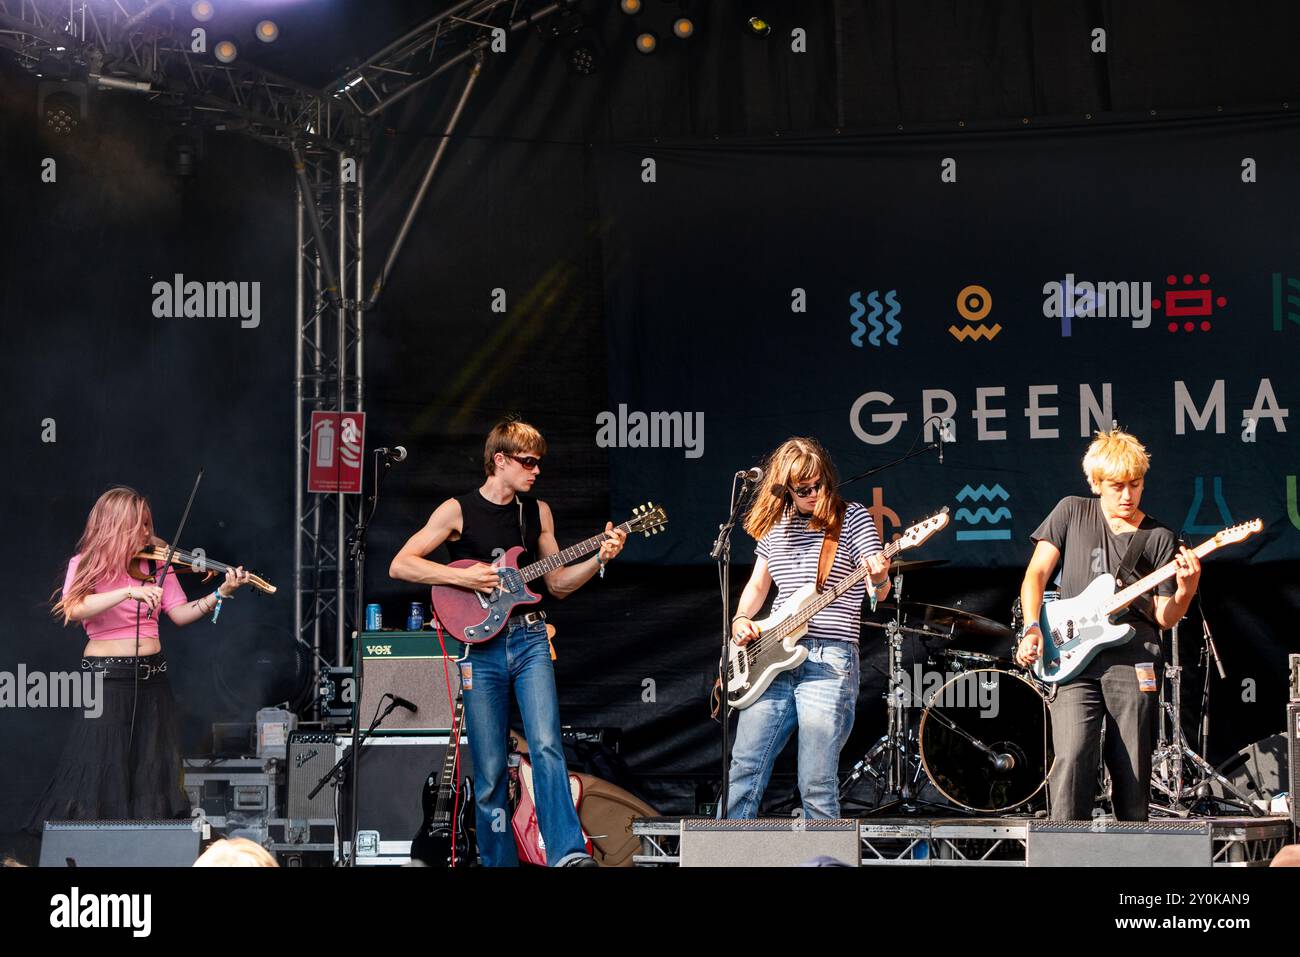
759,27
203,10
267,31
62,107
630,7
585,53
684,28
225,51
646,42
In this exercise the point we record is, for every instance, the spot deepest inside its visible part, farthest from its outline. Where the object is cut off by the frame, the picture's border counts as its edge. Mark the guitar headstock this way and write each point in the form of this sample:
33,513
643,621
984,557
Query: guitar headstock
923,529
1237,533
649,519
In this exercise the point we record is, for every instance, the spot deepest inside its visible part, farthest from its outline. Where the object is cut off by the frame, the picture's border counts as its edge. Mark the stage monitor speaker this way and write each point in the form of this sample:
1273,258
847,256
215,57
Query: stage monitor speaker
310,755
410,667
769,842
1118,844
393,773
119,844
1293,734
1259,770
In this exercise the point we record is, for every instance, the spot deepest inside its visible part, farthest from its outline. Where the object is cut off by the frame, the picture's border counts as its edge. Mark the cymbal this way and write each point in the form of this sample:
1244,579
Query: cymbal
941,624
903,565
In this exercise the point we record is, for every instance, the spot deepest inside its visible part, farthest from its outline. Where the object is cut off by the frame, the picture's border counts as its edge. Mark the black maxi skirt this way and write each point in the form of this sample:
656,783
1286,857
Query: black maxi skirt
109,772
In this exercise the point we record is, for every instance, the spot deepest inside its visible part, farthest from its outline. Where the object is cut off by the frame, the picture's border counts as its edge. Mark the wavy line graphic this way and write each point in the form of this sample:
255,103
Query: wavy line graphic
981,514
982,493
877,327
855,301
895,327
974,332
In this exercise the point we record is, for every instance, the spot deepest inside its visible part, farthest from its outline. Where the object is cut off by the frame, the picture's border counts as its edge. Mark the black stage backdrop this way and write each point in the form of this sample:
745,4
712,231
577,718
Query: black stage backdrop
773,171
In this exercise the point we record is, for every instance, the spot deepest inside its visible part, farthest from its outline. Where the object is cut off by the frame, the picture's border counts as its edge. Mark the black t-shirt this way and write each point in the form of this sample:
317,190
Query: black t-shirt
488,530
1089,548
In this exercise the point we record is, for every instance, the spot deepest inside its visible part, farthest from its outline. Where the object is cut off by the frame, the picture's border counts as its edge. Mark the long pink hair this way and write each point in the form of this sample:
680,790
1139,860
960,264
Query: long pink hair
111,538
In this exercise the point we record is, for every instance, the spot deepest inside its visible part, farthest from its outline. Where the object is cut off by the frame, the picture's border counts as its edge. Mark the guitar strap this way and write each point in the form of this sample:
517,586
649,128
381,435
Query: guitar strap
1137,541
827,557
1126,574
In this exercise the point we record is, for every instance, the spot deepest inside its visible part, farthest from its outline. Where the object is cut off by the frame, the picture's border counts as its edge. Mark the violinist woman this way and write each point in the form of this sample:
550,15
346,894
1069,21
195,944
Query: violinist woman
125,763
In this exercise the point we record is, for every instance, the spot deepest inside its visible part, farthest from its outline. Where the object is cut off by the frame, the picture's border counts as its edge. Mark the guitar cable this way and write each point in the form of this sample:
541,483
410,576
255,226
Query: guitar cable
455,808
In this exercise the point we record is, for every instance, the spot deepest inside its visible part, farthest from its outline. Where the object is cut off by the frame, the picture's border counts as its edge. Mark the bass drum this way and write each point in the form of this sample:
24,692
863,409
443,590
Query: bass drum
993,709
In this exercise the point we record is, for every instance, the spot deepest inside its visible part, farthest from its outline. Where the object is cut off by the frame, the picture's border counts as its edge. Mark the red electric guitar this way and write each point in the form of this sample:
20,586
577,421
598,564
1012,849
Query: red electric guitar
474,616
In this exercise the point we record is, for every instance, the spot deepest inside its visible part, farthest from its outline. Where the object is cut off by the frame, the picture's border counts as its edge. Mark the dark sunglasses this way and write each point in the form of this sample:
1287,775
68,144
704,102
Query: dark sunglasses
803,491
527,461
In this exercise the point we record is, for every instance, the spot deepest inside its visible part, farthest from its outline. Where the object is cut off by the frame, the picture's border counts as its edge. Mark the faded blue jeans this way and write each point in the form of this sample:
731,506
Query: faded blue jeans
820,698
518,658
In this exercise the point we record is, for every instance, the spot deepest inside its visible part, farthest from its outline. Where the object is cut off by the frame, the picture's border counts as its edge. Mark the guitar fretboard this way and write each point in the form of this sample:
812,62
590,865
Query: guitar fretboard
1148,582
796,621
573,552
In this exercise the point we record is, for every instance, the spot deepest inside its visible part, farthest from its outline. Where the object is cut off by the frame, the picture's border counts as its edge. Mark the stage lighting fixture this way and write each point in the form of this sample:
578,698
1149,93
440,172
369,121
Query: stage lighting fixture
267,31
759,27
203,10
684,28
225,51
585,54
62,107
630,7
646,42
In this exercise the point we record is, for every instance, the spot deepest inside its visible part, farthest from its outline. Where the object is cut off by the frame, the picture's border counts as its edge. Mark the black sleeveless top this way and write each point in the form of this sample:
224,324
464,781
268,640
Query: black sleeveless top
488,530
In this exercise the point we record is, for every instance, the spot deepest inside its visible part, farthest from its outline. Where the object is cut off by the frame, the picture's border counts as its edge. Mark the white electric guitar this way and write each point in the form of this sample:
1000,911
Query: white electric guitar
751,669
1076,629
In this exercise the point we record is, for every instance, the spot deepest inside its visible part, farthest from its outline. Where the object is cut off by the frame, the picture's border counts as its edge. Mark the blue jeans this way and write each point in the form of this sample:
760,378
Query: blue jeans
820,697
518,658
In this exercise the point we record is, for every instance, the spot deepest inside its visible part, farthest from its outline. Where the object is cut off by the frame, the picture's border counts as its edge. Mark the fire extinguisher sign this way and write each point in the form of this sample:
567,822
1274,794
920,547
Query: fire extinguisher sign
335,454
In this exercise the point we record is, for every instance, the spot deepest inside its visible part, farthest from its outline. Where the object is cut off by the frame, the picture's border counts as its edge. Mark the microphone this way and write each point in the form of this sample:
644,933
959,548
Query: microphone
945,436
752,476
403,703
1003,762
397,453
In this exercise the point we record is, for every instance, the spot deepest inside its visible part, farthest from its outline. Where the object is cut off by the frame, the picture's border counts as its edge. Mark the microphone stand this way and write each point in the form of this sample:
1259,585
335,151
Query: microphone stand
336,774
1209,653
721,553
357,552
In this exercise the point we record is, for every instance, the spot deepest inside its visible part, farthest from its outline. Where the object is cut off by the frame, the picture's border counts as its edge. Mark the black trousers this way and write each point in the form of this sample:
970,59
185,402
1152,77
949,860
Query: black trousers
1106,696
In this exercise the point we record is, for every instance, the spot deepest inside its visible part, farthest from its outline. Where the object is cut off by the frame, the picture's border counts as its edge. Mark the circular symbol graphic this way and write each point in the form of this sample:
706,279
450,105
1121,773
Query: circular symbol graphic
974,303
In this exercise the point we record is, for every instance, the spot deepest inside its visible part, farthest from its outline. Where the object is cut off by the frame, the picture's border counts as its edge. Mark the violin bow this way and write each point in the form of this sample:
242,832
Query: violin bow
171,547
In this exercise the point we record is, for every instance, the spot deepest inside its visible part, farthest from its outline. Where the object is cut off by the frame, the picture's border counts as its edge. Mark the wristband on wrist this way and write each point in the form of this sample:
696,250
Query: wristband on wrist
216,610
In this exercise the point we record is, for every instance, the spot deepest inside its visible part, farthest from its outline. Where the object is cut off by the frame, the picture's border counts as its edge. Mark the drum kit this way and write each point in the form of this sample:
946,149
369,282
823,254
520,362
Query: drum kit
967,732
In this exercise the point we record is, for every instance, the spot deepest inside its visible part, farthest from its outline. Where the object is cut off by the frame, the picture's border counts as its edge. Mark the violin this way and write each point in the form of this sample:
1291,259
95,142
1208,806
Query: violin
183,561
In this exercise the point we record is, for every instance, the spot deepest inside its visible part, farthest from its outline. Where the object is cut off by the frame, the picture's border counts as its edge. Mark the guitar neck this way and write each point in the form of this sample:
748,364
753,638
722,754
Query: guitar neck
1134,591
446,784
573,552
831,594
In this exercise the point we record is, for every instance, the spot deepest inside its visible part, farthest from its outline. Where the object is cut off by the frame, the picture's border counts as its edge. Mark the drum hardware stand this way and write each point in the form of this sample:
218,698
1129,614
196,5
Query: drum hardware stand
1173,751
892,761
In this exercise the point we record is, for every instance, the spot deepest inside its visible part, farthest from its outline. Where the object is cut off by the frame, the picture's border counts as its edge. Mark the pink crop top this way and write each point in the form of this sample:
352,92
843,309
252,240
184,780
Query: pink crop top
119,621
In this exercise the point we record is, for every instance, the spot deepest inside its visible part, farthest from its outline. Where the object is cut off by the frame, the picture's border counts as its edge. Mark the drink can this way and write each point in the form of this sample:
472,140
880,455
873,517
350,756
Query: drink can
374,618
415,617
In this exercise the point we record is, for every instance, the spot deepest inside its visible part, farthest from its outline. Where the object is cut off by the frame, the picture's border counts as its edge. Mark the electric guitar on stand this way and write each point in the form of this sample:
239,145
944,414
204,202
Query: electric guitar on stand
1076,629
752,668
474,617
444,838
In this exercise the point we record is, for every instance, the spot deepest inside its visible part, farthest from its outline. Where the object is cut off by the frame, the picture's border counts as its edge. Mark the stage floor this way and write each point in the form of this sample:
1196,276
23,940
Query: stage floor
967,842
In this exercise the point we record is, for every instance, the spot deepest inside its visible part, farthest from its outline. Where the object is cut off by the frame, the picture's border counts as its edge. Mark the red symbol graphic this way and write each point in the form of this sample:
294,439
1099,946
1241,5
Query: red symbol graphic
1185,304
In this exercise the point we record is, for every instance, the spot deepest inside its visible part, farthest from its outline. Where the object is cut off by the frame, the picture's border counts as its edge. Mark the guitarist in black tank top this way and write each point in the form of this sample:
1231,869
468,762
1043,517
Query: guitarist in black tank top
483,525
